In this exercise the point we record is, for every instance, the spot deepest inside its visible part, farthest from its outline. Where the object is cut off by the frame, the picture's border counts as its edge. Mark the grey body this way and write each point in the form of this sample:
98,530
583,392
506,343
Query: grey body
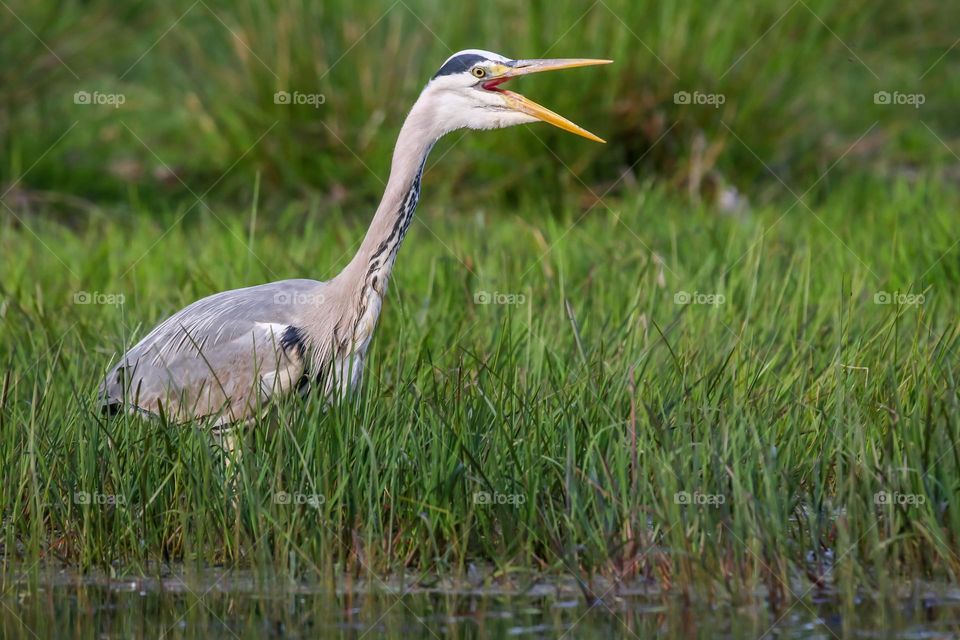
225,356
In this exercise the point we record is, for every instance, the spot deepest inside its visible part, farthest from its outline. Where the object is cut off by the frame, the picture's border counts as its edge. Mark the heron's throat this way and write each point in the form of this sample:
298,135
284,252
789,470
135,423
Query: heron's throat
368,273
381,260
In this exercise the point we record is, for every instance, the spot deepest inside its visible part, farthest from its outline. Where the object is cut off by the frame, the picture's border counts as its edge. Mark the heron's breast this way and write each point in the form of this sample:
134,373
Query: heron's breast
367,320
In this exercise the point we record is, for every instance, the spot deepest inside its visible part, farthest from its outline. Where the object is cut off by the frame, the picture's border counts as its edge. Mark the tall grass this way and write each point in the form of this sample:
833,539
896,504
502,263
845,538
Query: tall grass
657,390
585,421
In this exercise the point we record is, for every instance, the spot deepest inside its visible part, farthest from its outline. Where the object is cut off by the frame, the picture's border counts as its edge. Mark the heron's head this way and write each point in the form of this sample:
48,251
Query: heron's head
468,92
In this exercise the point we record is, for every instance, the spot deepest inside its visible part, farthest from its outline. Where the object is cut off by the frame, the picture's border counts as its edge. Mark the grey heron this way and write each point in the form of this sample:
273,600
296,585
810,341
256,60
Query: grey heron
226,356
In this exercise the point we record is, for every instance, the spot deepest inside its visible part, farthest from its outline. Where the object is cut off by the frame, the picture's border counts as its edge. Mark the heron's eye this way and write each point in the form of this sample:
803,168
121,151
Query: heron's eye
478,72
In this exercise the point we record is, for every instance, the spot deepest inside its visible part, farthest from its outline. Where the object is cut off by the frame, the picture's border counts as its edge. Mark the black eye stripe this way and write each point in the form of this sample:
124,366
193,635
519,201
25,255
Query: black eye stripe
459,64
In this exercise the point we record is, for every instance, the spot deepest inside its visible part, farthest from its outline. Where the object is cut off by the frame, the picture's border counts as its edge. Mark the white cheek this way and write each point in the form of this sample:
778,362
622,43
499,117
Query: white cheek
462,107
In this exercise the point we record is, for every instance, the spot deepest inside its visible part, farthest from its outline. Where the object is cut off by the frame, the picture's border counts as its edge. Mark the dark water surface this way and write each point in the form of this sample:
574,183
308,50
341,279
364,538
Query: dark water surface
235,604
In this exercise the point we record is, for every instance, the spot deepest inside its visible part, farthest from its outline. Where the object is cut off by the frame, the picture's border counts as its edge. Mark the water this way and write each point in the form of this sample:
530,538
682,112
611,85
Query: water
233,604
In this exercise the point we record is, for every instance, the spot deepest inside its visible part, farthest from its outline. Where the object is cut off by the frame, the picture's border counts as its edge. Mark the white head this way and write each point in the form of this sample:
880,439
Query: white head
466,93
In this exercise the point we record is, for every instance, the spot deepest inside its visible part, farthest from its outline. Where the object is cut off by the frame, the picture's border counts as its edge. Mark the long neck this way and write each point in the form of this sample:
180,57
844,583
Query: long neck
373,262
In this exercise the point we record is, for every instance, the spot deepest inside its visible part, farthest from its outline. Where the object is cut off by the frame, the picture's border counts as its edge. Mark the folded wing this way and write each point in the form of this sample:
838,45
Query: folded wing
224,356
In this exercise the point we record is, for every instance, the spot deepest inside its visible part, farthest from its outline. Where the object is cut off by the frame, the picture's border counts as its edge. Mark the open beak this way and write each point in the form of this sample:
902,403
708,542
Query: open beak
528,106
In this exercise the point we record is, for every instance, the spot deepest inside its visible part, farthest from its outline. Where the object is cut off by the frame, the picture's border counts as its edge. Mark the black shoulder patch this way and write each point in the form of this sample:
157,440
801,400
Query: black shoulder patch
110,408
459,64
293,338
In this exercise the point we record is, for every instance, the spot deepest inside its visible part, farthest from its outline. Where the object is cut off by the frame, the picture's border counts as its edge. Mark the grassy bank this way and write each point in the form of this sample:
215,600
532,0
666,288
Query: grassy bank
649,390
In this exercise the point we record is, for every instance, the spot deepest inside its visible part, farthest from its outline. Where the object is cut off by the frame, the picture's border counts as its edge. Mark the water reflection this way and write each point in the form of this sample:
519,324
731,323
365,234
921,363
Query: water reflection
231,604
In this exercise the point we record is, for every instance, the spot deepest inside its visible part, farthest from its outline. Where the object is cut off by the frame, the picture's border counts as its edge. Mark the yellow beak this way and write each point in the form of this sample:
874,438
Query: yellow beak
525,105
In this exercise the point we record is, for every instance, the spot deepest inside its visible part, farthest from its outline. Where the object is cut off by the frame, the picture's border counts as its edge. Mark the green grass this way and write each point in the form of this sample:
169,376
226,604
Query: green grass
591,402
